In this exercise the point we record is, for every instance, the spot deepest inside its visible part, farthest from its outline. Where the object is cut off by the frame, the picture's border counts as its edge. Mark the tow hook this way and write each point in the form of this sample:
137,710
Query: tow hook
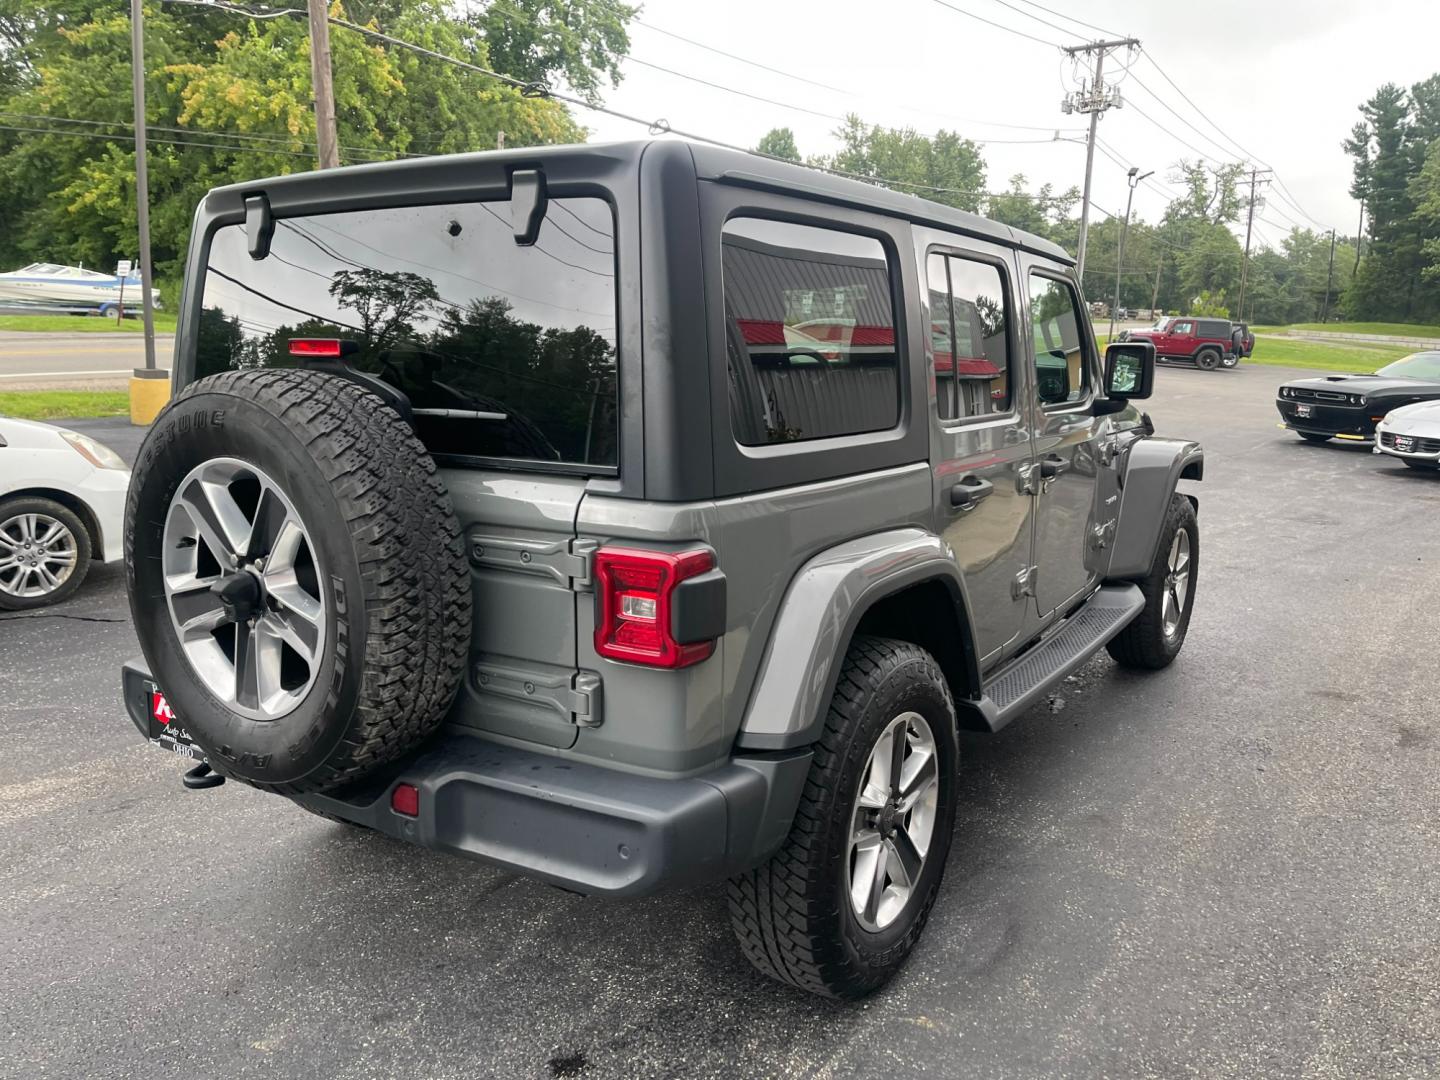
201,777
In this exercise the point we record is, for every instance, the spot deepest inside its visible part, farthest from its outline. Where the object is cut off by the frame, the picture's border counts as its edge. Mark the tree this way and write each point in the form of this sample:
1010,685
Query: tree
581,41
780,143
1043,213
945,169
1211,192
229,100
388,303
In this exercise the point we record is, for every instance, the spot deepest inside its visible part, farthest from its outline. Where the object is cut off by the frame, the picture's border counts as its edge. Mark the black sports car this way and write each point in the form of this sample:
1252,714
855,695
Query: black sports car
1349,406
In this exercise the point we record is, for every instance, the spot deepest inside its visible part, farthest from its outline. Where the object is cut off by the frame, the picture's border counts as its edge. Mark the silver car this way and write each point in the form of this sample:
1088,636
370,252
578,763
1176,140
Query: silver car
1412,434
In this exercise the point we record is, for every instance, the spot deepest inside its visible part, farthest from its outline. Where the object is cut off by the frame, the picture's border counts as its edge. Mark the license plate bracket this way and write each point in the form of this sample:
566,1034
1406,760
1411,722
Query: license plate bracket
166,730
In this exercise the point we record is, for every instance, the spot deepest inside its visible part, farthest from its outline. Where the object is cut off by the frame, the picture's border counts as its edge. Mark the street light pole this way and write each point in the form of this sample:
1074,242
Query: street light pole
1124,232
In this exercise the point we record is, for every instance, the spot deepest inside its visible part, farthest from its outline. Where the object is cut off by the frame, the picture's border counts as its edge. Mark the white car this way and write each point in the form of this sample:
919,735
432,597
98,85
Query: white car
62,506
1412,434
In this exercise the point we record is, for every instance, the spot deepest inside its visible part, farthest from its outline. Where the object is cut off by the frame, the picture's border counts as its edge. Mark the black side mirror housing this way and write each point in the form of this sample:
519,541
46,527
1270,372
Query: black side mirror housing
1129,370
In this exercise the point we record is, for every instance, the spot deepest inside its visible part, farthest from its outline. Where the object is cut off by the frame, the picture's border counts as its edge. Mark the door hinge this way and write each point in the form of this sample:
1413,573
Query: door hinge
1108,450
1024,583
576,697
566,562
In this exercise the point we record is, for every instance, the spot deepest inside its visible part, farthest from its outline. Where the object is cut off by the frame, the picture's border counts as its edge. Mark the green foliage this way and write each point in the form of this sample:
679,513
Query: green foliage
1043,213
1397,173
779,142
237,94
944,161
1210,304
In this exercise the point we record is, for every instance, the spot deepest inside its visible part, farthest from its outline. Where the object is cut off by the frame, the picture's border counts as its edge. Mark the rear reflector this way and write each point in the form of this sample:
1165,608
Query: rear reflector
634,592
405,799
303,346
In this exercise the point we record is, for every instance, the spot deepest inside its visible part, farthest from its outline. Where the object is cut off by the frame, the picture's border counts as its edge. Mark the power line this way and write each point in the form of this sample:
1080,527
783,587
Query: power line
658,126
998,26
733,90
740,59
1037,18
167,142
1069,18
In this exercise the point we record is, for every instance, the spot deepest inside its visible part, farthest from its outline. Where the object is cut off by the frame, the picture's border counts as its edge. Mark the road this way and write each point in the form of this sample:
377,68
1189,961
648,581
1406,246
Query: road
74,361
1227,869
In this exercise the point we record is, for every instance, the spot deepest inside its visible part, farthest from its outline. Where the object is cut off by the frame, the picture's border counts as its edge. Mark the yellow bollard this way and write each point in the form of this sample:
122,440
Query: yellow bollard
149,391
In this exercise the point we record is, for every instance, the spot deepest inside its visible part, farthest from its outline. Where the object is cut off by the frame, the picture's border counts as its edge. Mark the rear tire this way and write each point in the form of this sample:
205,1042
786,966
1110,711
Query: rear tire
1313,436
796,917
1207,359
1154,638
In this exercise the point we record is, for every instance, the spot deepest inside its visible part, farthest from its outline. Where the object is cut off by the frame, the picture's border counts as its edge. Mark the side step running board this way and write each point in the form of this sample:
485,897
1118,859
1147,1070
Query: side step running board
1031,675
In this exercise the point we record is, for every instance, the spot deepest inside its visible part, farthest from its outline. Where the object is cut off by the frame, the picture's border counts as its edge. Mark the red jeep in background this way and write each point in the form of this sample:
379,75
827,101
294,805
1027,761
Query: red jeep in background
1208,343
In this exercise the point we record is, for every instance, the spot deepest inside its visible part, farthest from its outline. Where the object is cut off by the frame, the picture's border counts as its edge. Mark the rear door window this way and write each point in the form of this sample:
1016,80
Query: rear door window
968,328
809,332
505,352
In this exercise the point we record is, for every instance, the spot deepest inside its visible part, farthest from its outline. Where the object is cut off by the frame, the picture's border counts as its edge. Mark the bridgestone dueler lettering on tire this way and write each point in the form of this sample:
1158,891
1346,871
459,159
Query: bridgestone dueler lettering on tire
340,595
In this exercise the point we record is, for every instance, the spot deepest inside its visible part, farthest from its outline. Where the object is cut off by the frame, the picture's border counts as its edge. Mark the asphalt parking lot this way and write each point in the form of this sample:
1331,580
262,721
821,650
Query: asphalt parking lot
1228,869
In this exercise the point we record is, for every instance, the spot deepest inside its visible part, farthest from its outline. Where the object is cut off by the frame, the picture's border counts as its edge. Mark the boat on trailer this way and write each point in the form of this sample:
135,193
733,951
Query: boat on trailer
51,285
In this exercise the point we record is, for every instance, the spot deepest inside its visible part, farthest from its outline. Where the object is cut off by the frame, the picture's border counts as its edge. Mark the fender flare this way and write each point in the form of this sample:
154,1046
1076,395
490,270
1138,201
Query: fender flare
1153,468
824,604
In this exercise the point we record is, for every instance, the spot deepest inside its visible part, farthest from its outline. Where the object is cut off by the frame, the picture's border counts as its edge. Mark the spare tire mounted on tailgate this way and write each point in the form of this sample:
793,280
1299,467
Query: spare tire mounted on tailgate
298,579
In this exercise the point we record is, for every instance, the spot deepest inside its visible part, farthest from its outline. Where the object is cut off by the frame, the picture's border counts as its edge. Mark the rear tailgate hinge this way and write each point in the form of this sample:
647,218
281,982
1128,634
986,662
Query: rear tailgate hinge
585,699
567,562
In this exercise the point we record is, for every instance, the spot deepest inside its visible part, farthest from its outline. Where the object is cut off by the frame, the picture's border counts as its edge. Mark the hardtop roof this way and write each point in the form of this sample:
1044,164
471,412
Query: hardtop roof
712,163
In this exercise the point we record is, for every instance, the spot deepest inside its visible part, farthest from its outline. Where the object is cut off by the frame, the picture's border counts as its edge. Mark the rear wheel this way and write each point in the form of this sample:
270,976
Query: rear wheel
839,907
1154,638
1313,436
1207,359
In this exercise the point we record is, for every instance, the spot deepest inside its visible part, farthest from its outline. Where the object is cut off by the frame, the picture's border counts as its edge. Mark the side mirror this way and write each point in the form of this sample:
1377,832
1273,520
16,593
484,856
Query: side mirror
1129,370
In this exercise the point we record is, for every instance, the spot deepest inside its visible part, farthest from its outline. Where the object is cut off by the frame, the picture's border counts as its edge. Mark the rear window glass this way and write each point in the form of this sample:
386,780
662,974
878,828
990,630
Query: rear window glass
504,351
809,332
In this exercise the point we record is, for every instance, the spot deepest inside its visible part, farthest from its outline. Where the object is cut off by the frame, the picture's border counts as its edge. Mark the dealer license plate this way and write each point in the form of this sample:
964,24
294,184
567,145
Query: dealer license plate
167,730
1302,410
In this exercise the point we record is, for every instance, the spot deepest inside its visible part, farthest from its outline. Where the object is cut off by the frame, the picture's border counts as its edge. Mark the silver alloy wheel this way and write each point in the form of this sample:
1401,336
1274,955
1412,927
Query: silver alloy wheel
893,820
242,582
1177,582
37,555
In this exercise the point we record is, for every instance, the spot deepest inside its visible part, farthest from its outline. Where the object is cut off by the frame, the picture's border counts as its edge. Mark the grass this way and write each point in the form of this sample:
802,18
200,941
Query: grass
1390,329
84,324
64,404
1320,355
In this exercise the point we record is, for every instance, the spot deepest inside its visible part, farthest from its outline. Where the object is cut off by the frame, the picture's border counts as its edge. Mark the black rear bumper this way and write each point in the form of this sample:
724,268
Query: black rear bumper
577,825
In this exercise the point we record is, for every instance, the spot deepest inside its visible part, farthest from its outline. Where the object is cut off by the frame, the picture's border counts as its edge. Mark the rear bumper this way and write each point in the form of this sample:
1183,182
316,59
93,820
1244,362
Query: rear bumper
577,825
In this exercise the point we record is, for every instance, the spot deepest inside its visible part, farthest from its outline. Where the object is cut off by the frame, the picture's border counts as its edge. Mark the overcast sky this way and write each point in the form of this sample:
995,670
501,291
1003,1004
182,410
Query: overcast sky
1283,77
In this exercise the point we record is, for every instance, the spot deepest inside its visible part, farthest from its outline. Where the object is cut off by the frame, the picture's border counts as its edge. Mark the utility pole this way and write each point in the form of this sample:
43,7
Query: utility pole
1359,238
149,386
1155,295
1124,231
1093,100
1329,278
323,83
1249,228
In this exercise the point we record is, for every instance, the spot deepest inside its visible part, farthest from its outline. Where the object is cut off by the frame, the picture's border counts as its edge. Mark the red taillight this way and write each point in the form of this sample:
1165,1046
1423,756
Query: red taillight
635,589
314,346
405,799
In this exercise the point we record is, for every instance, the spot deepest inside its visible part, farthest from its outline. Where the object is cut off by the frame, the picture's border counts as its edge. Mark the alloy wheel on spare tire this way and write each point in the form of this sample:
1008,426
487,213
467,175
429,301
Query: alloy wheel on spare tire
297,577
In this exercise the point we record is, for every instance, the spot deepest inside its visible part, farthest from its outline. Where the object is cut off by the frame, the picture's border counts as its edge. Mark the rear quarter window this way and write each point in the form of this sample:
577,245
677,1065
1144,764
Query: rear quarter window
809,332
506,352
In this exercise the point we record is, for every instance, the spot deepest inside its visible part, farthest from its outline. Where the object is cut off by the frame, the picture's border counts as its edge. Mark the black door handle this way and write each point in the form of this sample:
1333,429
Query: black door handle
969,491
1051,466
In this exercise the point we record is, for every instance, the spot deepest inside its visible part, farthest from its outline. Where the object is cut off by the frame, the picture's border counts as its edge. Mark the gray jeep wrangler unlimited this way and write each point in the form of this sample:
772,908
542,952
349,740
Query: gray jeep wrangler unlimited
641,515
